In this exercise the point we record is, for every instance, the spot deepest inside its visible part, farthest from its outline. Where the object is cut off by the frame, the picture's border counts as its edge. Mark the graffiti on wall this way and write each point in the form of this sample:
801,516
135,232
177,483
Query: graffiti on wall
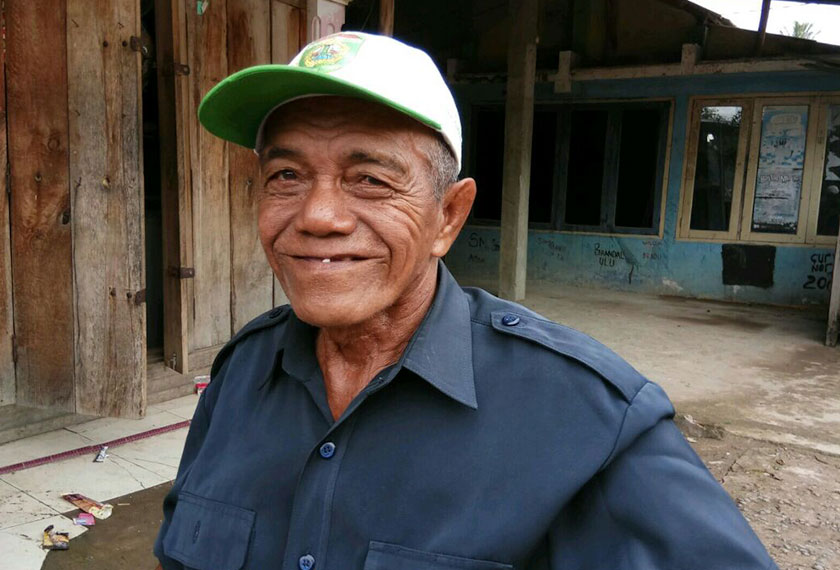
822,266
479,246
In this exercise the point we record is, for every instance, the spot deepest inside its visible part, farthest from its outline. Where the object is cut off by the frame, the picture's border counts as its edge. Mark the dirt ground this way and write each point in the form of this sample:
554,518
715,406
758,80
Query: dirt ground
790,495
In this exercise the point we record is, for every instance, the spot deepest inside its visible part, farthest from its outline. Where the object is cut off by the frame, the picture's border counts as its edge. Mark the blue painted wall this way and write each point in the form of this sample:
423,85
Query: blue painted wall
650,264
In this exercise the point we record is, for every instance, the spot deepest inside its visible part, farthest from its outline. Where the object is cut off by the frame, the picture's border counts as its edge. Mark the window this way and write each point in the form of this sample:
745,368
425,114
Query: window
594,168
762,169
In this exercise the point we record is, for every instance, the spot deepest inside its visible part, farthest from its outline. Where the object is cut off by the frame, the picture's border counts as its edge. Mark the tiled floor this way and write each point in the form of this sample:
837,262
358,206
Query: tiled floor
30,499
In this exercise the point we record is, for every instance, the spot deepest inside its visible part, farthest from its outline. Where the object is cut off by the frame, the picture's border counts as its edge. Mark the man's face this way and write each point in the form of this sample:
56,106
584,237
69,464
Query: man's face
347,214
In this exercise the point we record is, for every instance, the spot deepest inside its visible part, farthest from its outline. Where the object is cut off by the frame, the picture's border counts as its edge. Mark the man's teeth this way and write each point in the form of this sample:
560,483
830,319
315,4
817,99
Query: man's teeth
325,260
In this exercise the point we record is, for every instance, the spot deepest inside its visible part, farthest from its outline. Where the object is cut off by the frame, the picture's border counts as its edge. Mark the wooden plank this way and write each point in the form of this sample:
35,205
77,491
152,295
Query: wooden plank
7,328
207,45
105,168
519,118
386,17
833,332
176,212
288,31
40,202
249,43
288,36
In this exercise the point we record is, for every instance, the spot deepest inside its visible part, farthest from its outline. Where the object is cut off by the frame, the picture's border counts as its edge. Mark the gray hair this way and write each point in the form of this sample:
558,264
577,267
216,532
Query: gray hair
443,166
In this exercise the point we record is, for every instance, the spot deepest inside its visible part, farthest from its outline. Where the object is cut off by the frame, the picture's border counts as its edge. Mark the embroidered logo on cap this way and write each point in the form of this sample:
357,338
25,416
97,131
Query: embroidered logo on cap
332,53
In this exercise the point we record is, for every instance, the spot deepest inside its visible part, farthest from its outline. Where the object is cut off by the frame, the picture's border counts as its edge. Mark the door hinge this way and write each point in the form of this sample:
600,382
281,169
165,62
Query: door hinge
182,272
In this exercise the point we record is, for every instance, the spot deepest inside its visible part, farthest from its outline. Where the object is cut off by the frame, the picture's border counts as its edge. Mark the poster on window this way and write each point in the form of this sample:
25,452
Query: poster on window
780,164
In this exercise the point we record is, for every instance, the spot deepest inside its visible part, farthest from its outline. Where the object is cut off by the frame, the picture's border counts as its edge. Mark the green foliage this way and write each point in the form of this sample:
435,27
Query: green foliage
803,30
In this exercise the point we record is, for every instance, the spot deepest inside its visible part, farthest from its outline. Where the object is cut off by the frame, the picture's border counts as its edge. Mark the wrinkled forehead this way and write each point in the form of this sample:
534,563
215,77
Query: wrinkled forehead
329,116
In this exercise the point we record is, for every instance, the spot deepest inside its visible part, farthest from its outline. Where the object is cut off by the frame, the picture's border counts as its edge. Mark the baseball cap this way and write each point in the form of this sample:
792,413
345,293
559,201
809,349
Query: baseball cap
350,64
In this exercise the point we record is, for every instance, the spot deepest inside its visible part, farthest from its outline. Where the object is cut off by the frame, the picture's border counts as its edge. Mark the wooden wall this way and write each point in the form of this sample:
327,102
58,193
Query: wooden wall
72,260
75,211
233,282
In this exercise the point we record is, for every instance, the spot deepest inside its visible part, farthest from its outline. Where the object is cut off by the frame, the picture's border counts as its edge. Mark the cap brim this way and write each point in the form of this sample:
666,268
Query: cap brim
235,108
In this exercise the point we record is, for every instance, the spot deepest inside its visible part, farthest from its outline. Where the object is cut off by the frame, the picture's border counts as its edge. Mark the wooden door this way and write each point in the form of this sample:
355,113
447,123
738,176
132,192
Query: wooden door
76,194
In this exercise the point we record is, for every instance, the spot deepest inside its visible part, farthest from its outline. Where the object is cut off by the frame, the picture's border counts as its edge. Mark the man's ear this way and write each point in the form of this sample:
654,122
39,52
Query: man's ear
455,204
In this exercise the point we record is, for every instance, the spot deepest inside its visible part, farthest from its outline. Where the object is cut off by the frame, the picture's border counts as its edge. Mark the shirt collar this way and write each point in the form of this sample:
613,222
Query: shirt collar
440,351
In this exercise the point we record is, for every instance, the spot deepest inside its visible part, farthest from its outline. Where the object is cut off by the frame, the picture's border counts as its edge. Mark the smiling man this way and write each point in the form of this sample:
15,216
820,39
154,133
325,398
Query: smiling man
389,419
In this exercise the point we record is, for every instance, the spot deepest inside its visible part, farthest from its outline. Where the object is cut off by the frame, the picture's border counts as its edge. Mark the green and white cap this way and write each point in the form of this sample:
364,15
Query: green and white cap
349,64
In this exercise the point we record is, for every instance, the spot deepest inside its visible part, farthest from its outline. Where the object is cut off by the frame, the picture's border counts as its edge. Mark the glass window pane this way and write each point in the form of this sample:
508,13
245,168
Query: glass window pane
488,160
587,141
714,177
828,221
541,192
781,161
637,170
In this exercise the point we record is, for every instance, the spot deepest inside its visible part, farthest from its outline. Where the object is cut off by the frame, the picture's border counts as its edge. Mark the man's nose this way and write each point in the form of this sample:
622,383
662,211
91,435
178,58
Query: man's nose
325,210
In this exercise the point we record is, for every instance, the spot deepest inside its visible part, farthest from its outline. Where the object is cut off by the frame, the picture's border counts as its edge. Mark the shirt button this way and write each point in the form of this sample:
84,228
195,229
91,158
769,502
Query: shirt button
327,450
510,320
306,562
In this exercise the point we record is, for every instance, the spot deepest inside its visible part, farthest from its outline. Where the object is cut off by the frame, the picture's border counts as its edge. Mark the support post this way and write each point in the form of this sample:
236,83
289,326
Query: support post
762,27
519,118
386,17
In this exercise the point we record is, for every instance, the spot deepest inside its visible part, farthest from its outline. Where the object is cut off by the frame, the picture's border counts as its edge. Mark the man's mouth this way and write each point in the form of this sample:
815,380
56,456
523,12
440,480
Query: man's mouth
331,259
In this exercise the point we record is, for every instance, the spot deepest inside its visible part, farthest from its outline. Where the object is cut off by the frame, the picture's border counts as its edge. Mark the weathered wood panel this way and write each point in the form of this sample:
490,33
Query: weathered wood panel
7,329
288,31
176,200
211,322
288,36
107,195
249,43
40,202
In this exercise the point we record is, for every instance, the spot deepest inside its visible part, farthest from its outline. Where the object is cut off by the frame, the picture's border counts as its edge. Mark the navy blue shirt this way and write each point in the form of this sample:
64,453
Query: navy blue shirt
499,440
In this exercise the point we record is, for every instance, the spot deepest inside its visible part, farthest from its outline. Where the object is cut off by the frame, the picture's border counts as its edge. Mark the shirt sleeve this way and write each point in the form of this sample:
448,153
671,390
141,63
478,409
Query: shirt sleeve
195,439
654,505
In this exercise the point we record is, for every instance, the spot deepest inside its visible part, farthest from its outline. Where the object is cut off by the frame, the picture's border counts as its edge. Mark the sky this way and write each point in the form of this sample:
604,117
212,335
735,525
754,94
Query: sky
746,13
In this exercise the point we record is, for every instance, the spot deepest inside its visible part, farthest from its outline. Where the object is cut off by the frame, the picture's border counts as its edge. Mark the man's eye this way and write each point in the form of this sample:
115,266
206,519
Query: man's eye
367,179
286,174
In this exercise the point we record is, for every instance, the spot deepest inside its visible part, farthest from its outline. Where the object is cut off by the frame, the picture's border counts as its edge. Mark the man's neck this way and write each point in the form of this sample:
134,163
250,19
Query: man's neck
350,356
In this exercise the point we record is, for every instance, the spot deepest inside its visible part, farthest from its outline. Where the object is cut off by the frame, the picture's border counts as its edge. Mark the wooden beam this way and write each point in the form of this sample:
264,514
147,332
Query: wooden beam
690,58
563,80
762,27
519,118
40,202
173,126
104,100
833,331
211,320
7,327
249,43
386,17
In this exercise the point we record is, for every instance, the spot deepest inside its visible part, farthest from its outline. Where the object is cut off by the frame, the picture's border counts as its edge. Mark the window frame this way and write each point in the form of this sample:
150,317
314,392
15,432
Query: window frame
690,169
746,169
822,108
747,233
614,107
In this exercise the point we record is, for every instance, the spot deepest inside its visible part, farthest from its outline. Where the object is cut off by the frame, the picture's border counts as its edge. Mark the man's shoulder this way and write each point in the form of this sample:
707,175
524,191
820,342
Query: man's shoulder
270,319
534,332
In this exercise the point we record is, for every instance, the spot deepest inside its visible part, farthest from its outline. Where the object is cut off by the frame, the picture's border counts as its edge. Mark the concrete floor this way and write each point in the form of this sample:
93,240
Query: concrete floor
758,371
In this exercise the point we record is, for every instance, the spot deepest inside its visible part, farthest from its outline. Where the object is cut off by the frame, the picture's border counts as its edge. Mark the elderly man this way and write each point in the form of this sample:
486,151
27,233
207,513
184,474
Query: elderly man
387,418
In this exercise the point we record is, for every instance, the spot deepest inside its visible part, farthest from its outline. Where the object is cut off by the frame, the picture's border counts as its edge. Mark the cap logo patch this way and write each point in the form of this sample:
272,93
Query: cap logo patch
334,52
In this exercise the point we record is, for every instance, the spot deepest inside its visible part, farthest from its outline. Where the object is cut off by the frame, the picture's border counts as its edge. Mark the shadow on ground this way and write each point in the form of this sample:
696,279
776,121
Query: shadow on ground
121,542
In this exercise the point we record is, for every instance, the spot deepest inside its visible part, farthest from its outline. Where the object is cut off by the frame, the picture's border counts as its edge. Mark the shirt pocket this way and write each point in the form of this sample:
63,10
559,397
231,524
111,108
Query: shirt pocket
208,535
384,556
